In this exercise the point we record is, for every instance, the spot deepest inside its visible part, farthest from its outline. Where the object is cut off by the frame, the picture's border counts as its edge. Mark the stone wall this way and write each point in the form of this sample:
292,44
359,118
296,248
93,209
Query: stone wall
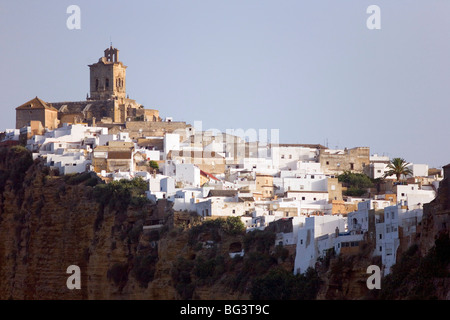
151,128
355,160
48,118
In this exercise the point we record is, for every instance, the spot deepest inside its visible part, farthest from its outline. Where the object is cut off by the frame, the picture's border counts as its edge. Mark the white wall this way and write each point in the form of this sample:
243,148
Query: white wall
309,197
188,174
358,221
308,182
418,170
377,170
307,244
288,157
413,196
167,185
387,240
171,142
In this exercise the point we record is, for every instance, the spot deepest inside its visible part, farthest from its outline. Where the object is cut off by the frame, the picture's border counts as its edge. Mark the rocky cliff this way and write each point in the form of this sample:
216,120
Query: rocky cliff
50,222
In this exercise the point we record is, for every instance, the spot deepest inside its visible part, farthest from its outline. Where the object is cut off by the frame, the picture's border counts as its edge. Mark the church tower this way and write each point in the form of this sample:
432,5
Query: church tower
107,77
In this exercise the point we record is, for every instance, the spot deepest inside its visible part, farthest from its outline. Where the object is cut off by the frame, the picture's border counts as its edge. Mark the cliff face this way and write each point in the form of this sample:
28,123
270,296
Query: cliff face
48,223
422,269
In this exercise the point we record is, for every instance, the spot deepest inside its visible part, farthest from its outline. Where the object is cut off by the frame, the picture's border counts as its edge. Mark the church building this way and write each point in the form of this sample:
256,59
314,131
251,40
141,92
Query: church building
107,103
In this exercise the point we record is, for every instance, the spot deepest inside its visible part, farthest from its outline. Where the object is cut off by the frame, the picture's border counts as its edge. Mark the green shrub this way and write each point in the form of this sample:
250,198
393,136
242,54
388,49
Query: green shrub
120,194
16,160
280,284
412,276
281,252
204,268
230,225
78,178
356,183
144,269
181,277
261,240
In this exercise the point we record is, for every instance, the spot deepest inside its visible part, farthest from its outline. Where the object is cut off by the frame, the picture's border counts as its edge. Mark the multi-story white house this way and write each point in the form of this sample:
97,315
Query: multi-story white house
413,196
311,239
388,232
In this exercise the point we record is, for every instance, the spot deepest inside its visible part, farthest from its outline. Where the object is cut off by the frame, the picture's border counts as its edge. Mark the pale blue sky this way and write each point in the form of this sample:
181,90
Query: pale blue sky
311,69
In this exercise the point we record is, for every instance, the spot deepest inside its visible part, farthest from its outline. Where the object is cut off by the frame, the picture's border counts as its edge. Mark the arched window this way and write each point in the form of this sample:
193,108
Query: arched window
107,83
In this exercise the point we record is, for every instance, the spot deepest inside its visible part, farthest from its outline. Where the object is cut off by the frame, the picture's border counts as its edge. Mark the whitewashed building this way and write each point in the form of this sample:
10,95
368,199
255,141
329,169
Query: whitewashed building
311,238
413,196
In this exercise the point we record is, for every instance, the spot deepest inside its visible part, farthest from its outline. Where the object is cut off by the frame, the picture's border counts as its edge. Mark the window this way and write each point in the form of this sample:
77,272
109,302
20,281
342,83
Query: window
379,171
381,248
315,199
312,177
301,241
403,194
328,162
290,156
107,83
352,167
303,198
380,235
282,156
234,211
96,84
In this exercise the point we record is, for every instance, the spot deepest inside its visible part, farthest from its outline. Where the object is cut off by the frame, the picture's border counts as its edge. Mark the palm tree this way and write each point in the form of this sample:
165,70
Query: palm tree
397,166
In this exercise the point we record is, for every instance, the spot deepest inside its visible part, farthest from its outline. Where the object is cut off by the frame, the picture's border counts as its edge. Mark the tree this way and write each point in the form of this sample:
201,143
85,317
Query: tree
397,167
356,183
154,165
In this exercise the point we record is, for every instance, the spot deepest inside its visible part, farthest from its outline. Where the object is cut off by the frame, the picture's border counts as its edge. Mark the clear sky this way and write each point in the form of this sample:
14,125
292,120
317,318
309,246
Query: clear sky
311,69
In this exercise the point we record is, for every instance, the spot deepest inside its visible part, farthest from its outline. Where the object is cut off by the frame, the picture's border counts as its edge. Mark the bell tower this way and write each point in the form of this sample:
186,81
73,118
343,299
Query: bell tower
107,77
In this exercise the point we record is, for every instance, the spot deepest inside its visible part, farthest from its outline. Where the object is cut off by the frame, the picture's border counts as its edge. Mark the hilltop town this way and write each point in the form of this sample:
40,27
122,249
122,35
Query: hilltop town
327,199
